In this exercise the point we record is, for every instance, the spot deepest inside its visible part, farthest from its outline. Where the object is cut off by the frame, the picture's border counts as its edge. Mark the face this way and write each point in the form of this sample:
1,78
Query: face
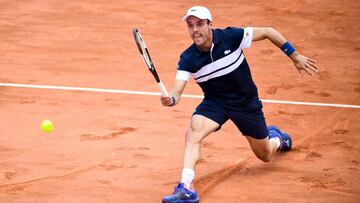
200,32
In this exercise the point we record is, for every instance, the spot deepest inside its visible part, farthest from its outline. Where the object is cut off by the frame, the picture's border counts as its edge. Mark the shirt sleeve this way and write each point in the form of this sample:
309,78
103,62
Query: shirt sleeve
182,75
183,72
247,38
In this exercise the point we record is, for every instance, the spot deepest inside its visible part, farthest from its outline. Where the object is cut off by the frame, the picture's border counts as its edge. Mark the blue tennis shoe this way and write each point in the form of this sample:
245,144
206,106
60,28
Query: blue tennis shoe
181,195
285,139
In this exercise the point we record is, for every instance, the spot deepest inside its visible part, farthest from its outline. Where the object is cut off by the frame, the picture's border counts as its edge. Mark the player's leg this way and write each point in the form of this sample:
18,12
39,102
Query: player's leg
207,118
263,148
264,141
276,140
199,128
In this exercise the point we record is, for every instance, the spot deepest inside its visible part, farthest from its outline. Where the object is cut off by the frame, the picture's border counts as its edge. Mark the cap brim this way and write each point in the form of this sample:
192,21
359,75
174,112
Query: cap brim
200,17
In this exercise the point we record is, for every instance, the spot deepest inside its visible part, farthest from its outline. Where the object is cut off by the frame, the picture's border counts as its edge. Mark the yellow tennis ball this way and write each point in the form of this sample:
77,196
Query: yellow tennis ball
47,126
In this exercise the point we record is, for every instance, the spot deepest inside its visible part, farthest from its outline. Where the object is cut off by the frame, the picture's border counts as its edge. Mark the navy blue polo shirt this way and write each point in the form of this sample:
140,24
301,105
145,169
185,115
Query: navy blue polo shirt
222,73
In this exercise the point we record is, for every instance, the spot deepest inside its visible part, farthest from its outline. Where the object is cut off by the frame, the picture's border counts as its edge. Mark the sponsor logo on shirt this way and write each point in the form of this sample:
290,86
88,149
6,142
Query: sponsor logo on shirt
226,52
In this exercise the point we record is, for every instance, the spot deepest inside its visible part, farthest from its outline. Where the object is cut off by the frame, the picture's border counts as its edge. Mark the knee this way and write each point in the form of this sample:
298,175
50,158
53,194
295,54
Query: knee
192,136
264,156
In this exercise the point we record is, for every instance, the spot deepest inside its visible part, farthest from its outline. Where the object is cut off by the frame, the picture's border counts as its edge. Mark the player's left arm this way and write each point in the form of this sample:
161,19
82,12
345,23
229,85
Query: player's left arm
301,62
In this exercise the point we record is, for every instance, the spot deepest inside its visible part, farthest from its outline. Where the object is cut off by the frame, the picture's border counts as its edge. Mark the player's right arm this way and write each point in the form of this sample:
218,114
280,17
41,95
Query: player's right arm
174,94
183,75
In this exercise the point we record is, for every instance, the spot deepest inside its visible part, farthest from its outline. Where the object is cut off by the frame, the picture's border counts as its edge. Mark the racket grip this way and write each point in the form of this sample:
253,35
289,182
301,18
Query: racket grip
162,89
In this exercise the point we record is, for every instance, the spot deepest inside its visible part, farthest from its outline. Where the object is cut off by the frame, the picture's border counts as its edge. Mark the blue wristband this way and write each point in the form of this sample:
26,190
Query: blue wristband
173,100
287,48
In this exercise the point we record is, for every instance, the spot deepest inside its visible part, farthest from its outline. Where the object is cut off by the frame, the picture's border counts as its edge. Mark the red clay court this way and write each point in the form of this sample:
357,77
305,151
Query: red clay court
116,143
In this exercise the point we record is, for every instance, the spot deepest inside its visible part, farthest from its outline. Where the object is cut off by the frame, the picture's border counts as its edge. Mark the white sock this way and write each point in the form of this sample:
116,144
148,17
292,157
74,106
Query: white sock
187,177
277,141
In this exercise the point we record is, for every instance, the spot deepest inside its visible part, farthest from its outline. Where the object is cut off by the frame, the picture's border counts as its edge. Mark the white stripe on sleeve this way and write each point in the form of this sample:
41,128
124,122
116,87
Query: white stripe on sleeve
247,38
182,75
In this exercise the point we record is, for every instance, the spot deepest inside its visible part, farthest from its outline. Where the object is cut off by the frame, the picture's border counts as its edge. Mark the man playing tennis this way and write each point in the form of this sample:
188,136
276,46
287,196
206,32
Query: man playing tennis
216,62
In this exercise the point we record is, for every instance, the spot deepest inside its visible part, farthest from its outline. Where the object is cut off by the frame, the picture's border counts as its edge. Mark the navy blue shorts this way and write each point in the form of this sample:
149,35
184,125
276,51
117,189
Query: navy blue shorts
249,119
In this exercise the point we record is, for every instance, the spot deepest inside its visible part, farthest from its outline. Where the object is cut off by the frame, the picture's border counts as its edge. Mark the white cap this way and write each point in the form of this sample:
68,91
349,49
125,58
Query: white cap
198,11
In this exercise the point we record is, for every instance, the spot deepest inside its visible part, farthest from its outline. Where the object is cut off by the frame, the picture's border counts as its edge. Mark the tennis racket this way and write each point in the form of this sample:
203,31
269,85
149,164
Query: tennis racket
147,59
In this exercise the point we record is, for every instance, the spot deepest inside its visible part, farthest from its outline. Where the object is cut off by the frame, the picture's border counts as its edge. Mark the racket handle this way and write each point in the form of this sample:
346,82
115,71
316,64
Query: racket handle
162,89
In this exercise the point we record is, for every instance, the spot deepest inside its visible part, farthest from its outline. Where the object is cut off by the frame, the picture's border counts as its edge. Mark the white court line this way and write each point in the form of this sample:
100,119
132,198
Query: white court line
158,94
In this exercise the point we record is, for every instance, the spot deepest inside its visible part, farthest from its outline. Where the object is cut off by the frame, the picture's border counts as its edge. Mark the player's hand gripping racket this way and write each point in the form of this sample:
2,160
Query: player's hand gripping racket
147,59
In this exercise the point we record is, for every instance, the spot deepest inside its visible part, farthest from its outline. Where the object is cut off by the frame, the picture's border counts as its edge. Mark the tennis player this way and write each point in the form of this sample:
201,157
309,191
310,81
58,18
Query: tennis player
217,63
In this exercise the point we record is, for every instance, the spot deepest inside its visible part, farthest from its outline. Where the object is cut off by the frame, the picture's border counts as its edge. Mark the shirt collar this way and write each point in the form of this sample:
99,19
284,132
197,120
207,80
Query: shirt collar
215,37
